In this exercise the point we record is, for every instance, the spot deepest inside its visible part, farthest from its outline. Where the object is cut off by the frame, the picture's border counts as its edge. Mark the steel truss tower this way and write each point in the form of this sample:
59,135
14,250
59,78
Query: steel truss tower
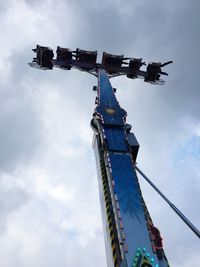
131,239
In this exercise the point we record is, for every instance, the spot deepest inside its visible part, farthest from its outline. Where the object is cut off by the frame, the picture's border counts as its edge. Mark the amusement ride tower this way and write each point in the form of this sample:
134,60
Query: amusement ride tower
131,239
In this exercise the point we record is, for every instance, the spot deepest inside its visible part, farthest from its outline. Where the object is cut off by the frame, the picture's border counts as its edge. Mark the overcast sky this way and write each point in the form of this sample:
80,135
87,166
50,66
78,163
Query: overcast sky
49,203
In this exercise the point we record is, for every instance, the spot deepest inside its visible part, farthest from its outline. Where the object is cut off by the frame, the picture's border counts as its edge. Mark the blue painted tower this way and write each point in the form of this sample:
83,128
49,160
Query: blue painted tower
131,239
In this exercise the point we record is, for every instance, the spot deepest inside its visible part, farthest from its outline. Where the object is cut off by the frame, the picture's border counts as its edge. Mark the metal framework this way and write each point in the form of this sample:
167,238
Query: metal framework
114,65
131,239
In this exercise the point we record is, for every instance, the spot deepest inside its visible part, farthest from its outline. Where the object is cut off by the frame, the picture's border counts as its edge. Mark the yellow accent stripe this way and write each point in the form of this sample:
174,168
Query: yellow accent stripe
109,218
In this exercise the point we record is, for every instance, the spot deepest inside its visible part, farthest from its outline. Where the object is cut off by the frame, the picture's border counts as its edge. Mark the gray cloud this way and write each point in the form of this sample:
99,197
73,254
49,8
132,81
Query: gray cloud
20,125
45,135
11,199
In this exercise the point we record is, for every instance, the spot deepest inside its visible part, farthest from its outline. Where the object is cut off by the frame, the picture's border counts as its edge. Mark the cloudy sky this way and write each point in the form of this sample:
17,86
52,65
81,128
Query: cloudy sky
49,203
